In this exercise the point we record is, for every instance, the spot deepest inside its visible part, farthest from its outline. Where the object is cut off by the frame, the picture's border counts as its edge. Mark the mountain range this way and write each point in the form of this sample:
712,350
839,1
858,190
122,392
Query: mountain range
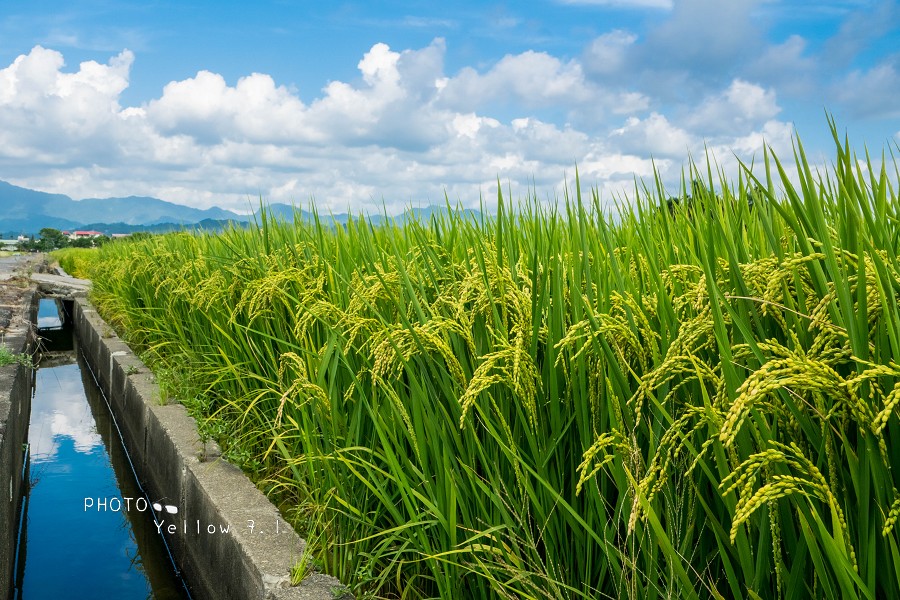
26,212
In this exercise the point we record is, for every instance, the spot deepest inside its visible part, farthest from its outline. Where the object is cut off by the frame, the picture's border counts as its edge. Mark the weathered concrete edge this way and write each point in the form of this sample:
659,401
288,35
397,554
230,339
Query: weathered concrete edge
15,407
178,468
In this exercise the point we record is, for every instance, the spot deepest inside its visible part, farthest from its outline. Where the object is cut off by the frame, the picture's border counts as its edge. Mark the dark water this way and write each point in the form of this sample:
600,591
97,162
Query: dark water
57,334
78,539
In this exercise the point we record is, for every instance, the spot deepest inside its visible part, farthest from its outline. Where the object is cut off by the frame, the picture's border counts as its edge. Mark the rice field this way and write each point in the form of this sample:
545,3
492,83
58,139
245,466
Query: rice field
74,261
694,399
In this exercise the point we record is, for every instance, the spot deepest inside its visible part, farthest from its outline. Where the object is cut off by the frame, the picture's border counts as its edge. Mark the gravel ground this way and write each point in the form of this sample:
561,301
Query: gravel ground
14,282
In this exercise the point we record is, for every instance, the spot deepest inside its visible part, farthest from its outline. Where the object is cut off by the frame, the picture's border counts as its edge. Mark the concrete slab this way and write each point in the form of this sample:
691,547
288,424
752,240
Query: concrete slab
59,285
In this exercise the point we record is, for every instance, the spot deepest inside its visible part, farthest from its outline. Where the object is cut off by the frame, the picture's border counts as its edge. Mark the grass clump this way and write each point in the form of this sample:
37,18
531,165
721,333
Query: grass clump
696,399
8,357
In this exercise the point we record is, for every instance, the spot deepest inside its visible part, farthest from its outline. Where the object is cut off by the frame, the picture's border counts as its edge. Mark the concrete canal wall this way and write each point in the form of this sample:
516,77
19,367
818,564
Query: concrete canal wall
18,310
253,559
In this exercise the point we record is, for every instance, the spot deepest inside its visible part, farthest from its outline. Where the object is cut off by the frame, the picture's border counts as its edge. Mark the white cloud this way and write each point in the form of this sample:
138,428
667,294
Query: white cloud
608,166
206,108
653,135
54,116
535,81
532,79
777,135
741,106
735,119
404,132
56,416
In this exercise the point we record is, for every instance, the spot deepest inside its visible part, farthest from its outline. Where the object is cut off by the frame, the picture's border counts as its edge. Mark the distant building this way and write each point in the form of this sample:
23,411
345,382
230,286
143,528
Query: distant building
116,236
78,235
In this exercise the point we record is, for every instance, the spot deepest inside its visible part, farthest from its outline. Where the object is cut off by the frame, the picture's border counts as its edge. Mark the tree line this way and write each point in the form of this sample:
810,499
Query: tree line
50,239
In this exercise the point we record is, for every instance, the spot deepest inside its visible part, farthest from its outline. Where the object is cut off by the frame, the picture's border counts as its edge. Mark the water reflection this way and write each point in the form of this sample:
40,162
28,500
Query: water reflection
66,550
57,418
48,314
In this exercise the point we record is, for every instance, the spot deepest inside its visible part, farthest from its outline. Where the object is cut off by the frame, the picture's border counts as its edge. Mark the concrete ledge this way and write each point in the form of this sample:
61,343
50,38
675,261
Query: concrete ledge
15,408
60,286
227,538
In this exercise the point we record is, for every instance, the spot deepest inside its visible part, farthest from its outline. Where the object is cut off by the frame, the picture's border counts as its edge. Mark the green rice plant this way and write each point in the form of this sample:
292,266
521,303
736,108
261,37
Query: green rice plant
686,399
75,261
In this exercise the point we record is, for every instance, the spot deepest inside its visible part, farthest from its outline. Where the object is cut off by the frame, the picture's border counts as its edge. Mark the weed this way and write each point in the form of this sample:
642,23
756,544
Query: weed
8,357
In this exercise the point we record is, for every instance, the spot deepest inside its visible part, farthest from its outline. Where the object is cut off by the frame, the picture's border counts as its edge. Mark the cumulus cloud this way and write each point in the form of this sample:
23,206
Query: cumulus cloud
535,81
404,132
56,117
688,76
741,106
206,108
394,106
735,119
776,135
653,135
532,78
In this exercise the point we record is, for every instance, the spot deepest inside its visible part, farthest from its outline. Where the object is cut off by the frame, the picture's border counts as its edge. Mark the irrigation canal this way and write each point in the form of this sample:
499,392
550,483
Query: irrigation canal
86,528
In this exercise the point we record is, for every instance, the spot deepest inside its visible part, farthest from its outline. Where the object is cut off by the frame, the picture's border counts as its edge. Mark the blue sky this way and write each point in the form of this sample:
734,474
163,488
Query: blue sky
357,104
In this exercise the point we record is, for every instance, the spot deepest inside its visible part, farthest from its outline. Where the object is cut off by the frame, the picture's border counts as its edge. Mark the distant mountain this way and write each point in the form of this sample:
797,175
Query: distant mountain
19,206
283,212
288,213
204,225
425,214
26,212
139,210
